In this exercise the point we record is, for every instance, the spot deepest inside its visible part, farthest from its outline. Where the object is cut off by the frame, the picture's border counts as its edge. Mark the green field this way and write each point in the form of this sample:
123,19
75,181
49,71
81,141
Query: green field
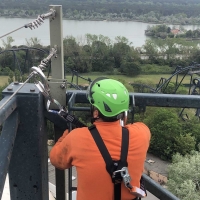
147,79
3,80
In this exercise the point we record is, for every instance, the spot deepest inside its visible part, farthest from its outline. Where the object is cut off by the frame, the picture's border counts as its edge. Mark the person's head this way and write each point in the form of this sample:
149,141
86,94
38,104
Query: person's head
109,99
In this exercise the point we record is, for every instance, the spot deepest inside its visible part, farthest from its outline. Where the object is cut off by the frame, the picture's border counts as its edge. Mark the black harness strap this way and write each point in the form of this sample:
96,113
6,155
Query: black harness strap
111,165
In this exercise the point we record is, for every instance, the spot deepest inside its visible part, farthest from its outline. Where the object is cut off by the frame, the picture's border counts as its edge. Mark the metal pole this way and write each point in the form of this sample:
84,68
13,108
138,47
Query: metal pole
157,190
56,82
28,169
56,39
60,174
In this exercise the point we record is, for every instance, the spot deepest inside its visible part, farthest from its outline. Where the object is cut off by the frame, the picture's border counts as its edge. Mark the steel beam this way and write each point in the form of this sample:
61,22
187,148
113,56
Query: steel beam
28,169
7,108
147,99
7,139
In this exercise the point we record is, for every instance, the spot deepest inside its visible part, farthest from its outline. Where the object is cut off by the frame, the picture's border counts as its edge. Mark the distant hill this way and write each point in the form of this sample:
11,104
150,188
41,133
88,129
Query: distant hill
156,11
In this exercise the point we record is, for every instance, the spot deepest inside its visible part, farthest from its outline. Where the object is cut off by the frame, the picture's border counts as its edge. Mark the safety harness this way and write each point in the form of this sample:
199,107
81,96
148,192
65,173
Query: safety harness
118,170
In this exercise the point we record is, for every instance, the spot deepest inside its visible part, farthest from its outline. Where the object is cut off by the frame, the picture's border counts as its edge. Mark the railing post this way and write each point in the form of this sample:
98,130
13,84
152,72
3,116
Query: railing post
28,169
60,174
7,139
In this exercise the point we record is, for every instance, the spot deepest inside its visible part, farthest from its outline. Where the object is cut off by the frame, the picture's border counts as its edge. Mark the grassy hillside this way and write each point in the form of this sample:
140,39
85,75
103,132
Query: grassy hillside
3,80
152,79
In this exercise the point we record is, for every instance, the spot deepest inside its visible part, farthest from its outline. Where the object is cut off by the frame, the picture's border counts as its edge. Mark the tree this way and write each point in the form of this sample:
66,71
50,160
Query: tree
11,77
168,135
17,75
72,49
131,68
33,42
69,63
195,55
101,57
151,50
8,43
184,176
189,34
120,52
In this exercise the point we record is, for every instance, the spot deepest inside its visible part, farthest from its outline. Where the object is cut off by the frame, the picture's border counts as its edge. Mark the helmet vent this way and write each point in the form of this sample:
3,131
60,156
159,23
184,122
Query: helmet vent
108,94
106,107
114,96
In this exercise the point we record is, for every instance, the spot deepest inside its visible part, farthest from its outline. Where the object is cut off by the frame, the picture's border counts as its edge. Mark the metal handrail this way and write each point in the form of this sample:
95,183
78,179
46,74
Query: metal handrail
9,113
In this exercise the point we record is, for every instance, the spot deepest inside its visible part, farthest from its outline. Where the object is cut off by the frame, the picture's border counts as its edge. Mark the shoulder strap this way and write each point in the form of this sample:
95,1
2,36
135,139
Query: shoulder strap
102,148
124,146
108,160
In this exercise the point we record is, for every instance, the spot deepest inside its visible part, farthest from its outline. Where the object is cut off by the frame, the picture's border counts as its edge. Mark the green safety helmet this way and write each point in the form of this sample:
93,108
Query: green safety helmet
109,96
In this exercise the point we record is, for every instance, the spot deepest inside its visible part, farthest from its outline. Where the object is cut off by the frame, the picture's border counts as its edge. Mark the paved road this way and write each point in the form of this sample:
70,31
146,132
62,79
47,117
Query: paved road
150,196
157,169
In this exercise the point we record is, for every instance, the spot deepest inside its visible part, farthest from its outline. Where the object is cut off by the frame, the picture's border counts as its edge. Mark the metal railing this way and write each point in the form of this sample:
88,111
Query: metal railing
23,142
23,139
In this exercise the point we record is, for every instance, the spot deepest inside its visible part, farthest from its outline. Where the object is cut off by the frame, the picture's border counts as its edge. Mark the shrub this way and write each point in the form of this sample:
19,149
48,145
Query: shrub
168,135
184,176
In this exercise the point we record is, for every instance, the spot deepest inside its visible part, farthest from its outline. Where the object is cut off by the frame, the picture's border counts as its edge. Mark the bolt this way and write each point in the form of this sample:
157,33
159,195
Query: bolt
9,88
62,86
32,90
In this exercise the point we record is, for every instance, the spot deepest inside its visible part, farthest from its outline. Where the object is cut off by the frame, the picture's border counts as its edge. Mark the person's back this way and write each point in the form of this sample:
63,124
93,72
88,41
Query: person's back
79,149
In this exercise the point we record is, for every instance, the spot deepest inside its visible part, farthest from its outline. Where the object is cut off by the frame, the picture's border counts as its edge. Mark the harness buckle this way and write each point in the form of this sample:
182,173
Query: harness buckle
116,177
126,179
123,175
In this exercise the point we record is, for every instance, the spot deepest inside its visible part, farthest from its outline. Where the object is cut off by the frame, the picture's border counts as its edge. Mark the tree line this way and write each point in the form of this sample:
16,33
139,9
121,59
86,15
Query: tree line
100,54
173,12
163,31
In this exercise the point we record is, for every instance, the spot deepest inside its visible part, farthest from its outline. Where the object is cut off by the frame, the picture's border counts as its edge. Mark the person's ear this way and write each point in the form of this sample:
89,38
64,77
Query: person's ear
95,113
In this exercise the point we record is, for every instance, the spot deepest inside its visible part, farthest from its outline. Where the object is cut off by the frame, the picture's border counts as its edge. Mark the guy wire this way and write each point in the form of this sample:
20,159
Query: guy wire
16,91
11,32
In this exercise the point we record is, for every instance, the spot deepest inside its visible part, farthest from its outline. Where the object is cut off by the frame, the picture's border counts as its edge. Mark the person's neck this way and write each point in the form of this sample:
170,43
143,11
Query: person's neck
99,120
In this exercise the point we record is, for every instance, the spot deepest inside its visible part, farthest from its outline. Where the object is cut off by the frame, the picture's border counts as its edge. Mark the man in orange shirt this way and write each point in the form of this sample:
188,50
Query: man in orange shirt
109,101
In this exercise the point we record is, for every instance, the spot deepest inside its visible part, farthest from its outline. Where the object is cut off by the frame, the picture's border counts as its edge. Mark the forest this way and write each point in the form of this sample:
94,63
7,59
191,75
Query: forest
100,54
172,12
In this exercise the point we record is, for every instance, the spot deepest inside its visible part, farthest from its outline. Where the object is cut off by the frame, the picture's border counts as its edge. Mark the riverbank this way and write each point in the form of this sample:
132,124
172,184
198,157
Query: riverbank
104,19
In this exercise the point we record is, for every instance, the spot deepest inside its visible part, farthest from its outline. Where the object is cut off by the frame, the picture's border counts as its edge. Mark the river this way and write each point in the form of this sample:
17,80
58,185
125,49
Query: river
133,31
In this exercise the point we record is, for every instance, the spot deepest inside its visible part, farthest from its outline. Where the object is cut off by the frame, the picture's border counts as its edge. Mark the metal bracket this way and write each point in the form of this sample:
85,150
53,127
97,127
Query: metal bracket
58,90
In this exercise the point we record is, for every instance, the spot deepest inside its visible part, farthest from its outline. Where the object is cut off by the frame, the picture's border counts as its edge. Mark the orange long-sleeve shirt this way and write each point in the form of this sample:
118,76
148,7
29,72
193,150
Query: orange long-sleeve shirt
79,149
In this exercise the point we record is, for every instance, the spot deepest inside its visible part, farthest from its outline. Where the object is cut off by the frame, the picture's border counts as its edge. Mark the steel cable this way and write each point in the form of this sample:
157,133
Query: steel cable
37,22
16,91
12,31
